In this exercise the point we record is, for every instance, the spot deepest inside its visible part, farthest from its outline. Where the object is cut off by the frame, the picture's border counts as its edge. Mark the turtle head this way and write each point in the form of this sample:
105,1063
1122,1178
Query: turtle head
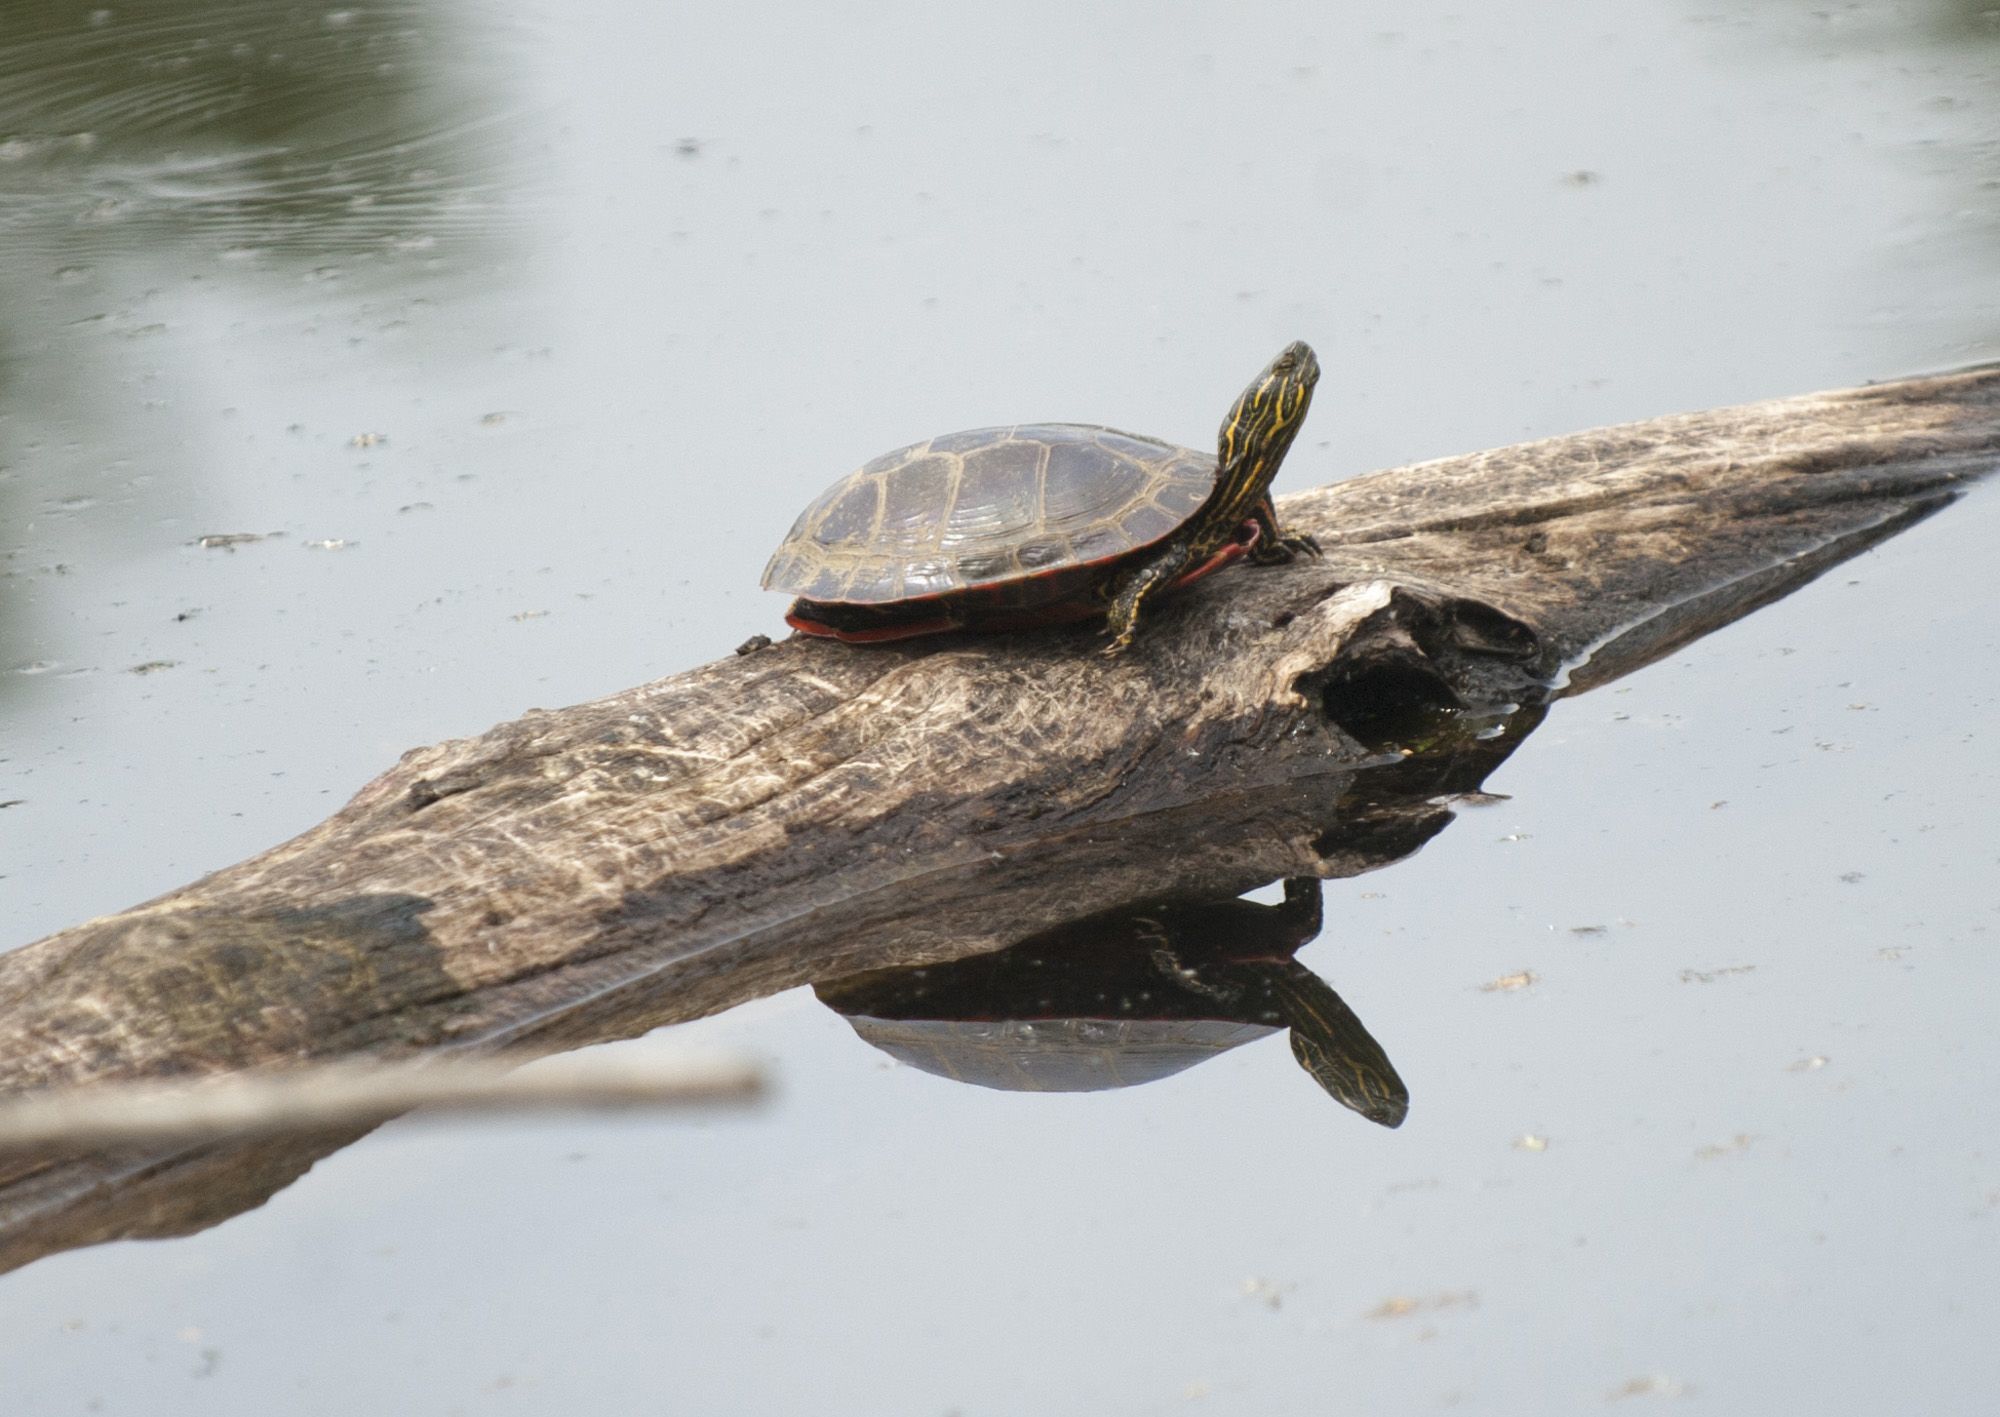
1261,425
1362,1080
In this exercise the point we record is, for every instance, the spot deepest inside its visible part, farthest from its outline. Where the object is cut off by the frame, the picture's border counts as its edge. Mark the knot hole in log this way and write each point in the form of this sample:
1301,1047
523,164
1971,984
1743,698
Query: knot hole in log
1415,666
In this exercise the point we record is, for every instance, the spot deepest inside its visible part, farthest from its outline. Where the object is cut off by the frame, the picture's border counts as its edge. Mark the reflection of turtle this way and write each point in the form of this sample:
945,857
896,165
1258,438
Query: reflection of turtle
1003,528
1126,998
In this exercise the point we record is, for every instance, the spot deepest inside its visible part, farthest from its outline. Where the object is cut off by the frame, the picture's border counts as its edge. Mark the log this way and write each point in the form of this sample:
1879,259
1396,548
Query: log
808,810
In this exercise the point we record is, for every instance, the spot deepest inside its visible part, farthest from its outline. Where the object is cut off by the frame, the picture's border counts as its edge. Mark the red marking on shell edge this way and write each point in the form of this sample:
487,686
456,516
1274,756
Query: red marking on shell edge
879,634
1056,613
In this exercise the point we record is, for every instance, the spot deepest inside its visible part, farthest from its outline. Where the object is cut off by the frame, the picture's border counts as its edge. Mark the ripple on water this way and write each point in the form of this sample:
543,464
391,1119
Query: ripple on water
251,126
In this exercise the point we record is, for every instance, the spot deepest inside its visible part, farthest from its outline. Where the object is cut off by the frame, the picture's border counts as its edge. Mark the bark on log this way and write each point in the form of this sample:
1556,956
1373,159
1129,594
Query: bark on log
810,810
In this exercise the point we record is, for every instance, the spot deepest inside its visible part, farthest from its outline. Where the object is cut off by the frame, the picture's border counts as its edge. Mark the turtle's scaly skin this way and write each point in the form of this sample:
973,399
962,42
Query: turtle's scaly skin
1256,434
1001,528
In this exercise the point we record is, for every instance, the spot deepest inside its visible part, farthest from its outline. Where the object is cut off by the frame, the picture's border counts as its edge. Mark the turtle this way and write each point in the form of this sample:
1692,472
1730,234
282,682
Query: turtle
1042,523
1128,997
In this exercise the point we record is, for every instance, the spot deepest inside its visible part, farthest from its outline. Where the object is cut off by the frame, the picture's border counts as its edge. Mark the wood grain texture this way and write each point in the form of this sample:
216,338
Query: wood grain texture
813,809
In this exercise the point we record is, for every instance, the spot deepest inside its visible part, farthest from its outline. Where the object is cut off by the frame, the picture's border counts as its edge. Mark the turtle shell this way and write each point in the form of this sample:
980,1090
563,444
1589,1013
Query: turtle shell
1055,1055
990,507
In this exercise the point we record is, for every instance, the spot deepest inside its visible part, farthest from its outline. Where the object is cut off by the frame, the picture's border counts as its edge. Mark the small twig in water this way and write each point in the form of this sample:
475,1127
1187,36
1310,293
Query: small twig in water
326,1096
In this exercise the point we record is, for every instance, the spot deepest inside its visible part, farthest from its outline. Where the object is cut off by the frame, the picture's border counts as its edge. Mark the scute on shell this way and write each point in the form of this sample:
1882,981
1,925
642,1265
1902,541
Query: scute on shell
987,506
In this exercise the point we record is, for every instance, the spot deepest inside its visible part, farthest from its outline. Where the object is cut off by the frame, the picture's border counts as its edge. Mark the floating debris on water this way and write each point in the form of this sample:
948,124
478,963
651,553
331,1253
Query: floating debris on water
1652,1385
1508,983
1529,1141
1808,1065
367,440
1268,1292
153,666
1740,1142
230,540
1399,1305
329,543
1709,976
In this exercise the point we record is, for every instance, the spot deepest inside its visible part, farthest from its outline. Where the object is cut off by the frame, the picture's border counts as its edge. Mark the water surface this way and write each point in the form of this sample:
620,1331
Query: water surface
516,337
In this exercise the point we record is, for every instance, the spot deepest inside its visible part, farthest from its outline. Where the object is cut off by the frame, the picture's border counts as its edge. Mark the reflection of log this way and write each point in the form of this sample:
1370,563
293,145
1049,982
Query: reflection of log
809,809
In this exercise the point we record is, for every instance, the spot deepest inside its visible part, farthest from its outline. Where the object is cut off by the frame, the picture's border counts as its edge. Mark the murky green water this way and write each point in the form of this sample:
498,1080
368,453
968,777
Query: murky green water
518,335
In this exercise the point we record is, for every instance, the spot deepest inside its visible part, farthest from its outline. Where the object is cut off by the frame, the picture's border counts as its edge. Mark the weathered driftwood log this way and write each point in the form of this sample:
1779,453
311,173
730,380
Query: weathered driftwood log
810,809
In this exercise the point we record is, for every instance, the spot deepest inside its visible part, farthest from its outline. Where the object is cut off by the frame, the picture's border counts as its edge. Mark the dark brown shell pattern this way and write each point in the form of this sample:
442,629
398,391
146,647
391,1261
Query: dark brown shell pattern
987,506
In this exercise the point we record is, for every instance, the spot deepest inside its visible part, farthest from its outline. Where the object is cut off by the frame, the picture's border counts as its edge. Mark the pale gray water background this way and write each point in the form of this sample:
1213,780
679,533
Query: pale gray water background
618,287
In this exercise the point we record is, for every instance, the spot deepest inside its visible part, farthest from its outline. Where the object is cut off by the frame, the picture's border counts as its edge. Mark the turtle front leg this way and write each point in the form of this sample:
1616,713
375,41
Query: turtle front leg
1131,591
1273,548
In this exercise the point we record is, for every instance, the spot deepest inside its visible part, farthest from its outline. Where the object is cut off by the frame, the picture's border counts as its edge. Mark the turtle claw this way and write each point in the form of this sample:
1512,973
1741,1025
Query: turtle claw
1283,549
